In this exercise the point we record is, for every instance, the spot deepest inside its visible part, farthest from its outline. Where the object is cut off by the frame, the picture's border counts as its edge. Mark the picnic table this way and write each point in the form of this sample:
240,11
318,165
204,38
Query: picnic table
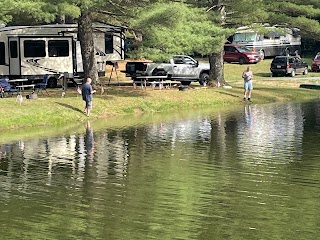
19,83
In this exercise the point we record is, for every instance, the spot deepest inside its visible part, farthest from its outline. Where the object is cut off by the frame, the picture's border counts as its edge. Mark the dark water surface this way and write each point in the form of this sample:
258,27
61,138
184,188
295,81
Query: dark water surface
248,174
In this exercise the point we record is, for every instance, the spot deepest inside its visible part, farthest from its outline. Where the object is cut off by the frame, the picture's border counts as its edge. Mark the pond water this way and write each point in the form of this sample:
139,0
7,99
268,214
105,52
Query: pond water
253,173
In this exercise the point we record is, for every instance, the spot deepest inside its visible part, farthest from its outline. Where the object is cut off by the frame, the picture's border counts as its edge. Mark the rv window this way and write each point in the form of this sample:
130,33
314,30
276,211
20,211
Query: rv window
245,37
2,54
34,48
58,48
13,49
108,43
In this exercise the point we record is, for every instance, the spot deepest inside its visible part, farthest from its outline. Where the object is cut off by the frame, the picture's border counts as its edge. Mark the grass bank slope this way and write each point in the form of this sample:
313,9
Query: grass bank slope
125,100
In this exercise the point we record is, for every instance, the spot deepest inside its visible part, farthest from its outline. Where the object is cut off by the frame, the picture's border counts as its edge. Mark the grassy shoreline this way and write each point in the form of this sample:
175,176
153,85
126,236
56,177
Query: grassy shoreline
53,110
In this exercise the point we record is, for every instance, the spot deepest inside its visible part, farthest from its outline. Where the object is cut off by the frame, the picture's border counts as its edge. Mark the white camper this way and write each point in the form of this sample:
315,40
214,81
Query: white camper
34,51
276,40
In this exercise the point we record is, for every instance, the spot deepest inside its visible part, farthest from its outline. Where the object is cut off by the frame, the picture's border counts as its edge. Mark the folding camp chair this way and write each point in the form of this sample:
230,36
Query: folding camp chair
43,85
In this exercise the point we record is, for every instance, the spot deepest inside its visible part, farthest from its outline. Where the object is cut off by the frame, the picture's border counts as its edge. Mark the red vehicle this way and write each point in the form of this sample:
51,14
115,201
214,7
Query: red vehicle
240,54
315,67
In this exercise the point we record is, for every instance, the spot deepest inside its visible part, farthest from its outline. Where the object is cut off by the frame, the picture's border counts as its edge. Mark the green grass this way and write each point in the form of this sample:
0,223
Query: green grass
53,110
260,70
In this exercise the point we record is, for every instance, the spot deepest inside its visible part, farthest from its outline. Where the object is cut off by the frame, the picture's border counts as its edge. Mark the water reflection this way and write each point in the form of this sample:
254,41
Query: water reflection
226,175
271,133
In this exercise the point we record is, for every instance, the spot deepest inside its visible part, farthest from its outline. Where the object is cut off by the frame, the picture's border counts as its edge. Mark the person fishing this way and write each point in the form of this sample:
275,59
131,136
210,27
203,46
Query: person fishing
247,76
87,92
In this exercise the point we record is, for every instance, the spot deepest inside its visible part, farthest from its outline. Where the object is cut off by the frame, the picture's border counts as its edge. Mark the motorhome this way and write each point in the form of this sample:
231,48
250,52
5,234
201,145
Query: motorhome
270,41
34,51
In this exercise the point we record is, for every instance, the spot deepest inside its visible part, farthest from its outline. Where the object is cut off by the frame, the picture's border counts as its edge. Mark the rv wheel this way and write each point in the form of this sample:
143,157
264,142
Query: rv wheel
52,82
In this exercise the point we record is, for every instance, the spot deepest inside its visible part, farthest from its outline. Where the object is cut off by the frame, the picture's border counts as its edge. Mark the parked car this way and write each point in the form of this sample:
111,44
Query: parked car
288,65
315,67
179,68
240,54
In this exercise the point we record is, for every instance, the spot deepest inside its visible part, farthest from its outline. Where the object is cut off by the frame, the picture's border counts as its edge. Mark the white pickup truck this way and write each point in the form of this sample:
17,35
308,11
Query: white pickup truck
180,68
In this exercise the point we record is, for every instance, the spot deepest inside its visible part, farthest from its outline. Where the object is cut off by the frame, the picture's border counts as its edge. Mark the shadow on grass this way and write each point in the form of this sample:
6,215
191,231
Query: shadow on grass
70,107
264,74
229,94
127,91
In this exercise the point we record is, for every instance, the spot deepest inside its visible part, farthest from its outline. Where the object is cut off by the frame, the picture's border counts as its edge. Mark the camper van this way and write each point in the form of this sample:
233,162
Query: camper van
272,41
34,51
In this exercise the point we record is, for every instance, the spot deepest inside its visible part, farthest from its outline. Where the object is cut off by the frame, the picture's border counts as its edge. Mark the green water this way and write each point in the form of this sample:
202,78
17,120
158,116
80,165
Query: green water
246,174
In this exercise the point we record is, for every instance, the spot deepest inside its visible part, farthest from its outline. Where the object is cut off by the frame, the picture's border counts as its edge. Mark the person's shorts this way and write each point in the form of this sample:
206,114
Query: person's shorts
89,104
248,85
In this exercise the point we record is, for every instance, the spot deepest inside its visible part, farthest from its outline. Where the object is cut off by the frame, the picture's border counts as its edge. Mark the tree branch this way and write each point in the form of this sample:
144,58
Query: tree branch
109,13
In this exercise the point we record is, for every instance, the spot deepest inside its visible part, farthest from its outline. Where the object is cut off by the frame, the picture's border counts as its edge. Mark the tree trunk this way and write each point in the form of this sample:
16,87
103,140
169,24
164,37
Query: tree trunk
216,59
87,46
216,69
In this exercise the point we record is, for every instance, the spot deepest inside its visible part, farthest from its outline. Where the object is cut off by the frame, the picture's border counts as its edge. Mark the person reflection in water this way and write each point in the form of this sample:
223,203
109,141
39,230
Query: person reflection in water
248,115
89,141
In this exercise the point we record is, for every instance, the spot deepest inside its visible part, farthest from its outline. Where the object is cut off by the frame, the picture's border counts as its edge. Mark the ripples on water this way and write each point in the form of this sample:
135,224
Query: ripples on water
253,174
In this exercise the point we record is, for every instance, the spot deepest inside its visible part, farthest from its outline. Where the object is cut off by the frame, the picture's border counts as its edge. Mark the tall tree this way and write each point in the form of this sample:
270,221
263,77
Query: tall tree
86,40
175,28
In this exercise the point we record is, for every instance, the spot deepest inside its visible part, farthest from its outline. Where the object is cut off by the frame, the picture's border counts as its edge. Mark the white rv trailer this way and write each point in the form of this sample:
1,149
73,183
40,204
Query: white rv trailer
34,51
275,40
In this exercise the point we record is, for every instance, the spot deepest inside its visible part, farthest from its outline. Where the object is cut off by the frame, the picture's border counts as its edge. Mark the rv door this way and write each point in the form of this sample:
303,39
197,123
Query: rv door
14,56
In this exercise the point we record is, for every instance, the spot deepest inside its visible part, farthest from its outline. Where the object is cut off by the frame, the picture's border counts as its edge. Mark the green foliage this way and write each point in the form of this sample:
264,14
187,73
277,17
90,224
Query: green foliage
296,13
28,12
303,14
32,12
5,9
176,28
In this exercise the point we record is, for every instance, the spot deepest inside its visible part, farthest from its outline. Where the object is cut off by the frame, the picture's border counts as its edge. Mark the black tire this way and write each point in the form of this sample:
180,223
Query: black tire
52,82
293,73
305,72
185,83
159,72
204,78
241,60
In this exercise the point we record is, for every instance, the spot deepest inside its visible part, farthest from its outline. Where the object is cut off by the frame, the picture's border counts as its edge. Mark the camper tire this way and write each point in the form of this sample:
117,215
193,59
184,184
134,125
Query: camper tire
52,82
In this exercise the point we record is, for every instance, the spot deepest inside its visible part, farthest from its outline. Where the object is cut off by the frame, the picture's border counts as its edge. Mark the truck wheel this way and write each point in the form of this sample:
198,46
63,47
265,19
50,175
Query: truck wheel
159,72
52,82
305,72
204,78
185,83
241,60
293,73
